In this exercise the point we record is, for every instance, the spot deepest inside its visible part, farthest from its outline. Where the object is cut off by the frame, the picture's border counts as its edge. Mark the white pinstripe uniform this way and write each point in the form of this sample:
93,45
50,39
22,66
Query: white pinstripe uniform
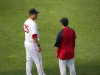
32,53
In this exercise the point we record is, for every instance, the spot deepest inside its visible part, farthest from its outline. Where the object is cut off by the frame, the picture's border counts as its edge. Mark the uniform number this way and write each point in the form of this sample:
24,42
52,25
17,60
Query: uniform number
26,28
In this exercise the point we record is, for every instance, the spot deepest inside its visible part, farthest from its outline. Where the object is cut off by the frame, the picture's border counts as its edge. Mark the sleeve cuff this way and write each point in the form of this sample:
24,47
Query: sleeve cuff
34,36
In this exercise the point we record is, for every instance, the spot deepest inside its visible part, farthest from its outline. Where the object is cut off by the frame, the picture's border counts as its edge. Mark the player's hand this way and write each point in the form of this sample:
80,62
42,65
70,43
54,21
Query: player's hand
56,54
57,51
39,49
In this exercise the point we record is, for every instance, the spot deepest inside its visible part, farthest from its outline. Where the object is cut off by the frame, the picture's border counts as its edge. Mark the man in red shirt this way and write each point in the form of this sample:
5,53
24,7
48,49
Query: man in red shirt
65,45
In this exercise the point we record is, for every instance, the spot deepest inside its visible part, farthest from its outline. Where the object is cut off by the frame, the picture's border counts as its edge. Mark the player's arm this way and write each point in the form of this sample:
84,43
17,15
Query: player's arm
34,32
58,41
36,41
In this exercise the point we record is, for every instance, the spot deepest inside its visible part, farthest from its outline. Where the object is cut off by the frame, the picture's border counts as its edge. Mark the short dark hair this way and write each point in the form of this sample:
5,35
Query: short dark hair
64,21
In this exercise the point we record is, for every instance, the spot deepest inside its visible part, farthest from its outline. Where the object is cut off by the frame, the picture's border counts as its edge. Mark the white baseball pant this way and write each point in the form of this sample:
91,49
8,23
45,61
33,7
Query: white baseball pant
69,63
32,54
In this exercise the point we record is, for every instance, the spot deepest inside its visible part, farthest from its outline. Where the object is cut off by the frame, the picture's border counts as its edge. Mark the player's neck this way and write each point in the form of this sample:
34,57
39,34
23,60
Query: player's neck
64,27
31,18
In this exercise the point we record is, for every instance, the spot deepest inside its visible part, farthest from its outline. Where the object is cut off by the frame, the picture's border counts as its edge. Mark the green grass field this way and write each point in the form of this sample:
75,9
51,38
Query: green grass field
84,18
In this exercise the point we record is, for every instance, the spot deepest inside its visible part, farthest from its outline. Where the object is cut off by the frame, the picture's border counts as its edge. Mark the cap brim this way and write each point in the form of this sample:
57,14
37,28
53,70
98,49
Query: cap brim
61,20
36,12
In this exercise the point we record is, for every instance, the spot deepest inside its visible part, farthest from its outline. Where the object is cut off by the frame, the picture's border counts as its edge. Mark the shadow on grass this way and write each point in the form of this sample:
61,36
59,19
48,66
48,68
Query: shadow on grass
19,72
88,68
91,68
48,71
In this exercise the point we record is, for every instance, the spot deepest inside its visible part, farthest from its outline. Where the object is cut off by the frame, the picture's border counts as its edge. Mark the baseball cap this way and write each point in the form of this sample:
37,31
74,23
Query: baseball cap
64,21
33,11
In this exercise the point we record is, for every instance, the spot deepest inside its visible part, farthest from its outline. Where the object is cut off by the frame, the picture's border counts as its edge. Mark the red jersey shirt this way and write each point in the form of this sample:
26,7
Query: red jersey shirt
65,43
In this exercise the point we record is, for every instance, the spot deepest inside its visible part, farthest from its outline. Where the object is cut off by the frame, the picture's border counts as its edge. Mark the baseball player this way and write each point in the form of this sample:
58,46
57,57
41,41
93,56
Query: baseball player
65,45
31,43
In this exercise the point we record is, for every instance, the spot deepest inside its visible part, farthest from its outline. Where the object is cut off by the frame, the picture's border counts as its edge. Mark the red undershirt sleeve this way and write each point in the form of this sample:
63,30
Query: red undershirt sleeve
34,36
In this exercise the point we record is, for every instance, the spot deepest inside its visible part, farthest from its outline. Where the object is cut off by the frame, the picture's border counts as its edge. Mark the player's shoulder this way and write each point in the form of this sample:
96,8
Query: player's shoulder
60,32
71,29
30,21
